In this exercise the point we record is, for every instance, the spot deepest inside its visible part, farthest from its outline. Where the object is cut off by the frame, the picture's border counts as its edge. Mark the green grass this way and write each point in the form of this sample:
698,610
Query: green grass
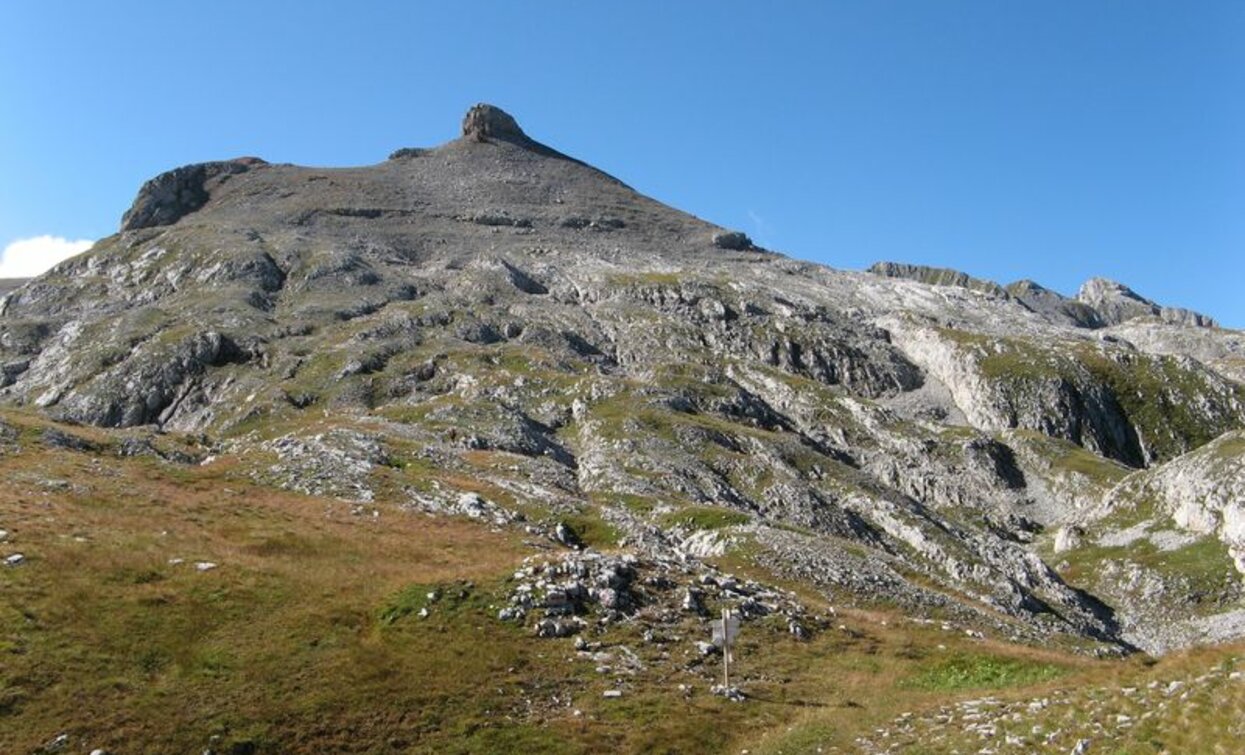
1231,447
591,529
705,518
1163,398
964,671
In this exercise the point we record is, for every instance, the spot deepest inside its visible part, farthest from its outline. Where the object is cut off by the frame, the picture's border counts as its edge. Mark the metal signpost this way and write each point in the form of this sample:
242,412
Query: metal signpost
724,633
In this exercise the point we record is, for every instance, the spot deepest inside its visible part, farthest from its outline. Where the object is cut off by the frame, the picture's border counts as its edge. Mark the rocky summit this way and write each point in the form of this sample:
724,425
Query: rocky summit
508,339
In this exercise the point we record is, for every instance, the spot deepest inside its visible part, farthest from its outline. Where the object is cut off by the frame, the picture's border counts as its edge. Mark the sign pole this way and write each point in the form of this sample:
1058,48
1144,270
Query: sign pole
726,649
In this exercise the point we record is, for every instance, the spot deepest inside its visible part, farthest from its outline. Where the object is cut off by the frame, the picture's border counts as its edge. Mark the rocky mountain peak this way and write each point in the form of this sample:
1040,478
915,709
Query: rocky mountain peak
1101,288
1117,302
484,121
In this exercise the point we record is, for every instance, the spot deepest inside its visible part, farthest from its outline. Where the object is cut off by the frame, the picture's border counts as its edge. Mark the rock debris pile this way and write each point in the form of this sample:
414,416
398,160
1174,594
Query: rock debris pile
584,593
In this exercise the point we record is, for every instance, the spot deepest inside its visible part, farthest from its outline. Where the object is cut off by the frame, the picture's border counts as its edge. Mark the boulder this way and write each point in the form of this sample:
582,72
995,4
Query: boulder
733,240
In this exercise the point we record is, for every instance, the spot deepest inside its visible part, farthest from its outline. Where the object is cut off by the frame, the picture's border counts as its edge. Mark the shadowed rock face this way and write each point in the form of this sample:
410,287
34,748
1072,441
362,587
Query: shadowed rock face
169,196
936,276
1052,304
492,298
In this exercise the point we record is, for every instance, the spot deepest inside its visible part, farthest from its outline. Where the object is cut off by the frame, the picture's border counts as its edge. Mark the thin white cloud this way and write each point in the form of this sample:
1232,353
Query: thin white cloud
761,229
26,258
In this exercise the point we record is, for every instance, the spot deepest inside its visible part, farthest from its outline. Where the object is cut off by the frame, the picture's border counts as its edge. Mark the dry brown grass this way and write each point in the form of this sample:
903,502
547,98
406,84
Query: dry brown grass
287,646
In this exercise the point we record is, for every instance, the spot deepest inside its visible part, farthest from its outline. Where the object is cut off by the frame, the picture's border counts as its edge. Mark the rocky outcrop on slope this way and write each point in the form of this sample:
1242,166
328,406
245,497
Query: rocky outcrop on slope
1117,402
1164,547
937,276
1054,305
1116,303
1099,303
170,196
1202,491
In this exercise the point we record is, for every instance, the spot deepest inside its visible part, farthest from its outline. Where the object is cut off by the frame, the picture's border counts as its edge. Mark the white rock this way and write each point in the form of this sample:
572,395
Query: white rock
612,693
1067,538
14,559
205,566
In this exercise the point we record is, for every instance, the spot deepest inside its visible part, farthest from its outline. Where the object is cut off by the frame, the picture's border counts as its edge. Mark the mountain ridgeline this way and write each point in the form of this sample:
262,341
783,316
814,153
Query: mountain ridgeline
493,310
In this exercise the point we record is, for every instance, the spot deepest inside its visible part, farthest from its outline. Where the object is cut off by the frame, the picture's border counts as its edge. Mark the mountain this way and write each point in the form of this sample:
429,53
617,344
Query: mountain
492,330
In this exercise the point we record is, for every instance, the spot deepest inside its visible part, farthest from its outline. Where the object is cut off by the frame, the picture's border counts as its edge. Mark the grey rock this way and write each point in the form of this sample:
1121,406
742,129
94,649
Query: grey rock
483,121
170,196
1117,303
733,240
1054,305
937,276
566,535
1068,538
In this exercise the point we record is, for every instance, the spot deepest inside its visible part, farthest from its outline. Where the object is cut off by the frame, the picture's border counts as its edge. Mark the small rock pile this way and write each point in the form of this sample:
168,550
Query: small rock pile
469,504
337,464
590,591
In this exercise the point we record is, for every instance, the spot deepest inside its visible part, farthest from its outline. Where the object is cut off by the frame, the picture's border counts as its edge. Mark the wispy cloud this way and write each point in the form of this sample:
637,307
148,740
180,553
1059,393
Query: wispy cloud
761,230
26,258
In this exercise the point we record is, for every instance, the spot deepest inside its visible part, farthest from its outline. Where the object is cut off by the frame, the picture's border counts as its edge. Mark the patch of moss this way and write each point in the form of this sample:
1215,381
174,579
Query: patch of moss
705,518
1232,447
592,530
964,670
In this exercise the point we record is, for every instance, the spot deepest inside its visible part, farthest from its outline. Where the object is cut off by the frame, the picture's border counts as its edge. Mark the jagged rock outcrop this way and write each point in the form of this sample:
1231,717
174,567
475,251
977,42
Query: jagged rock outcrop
170,196
1055,305
1116,303
733,240
937,276
485,121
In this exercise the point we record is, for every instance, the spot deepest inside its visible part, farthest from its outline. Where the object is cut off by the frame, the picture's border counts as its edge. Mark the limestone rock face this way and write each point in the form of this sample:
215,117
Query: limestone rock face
1117,303
1203,492
936,276
170,196
1055,305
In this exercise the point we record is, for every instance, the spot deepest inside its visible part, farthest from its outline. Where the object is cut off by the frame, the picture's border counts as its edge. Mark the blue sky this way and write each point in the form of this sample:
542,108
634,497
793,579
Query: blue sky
1048,140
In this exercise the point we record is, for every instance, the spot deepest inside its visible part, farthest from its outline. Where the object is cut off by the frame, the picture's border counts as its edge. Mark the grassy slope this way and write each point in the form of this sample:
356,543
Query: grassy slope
307,638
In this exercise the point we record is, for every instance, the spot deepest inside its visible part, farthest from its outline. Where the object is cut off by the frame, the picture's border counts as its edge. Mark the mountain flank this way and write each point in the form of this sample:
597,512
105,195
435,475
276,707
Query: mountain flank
633,418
